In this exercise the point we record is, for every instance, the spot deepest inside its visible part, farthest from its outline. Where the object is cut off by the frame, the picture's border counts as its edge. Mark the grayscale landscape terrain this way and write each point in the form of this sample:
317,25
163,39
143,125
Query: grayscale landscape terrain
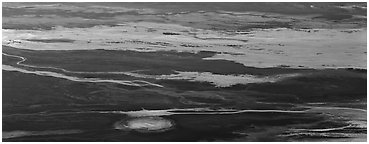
179,72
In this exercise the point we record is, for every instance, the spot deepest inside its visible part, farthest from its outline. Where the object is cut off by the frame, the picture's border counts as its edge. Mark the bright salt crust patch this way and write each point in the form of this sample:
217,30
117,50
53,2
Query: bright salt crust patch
313,48
319,48
145,124
217,79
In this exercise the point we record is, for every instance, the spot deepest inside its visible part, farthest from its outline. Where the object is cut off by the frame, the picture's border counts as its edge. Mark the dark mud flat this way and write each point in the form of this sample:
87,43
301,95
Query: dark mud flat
238,127
37,108
161,62
41,105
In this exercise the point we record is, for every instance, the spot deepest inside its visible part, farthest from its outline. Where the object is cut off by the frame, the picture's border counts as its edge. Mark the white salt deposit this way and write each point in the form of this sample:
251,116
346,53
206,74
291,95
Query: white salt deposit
312,48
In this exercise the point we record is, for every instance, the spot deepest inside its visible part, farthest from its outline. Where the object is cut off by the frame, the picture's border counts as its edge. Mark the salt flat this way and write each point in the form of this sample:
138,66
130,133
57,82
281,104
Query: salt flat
312,48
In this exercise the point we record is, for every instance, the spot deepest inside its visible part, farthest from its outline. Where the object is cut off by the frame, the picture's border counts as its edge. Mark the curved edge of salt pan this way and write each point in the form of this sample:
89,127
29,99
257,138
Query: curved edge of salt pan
138,83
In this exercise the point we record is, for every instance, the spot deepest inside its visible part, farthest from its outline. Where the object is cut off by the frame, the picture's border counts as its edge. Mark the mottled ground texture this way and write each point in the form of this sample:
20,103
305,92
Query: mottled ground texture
184,72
